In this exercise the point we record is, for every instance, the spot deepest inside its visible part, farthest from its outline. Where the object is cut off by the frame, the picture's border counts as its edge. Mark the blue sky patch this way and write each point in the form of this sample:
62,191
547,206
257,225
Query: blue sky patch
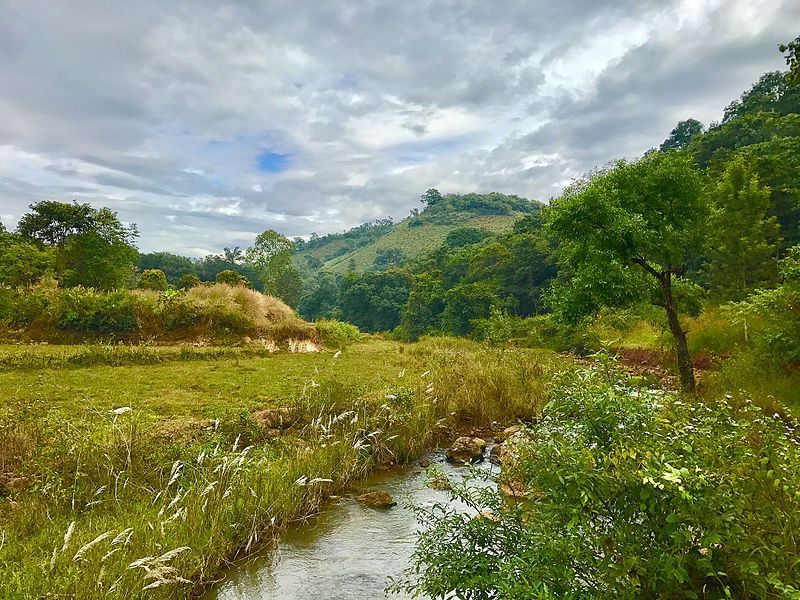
272,162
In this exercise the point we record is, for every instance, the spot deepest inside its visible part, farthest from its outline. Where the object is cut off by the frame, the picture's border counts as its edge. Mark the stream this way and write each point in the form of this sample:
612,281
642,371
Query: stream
348,550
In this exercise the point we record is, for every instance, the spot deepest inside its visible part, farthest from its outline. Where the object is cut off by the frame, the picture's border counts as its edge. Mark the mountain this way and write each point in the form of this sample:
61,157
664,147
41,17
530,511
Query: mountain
381,243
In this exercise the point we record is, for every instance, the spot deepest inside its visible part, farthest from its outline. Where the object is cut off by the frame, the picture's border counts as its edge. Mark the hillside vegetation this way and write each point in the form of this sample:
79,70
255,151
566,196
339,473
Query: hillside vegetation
361,248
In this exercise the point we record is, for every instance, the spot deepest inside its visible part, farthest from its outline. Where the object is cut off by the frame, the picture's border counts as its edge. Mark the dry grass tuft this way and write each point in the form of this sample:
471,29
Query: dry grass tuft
263,310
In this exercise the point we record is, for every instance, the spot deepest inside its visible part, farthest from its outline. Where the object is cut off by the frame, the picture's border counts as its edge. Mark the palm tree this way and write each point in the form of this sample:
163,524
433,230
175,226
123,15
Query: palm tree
233,255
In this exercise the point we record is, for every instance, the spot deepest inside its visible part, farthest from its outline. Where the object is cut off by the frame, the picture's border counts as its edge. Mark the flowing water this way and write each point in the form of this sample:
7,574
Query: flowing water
348,551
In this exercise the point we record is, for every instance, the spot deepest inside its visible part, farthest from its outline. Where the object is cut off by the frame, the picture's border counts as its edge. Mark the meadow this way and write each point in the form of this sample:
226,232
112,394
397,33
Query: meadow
132,468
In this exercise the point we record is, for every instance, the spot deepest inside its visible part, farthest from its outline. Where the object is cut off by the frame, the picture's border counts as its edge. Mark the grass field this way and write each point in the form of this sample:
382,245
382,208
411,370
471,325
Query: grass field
125,469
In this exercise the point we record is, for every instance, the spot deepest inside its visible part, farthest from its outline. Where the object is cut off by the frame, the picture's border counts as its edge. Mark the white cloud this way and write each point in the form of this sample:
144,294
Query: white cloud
160,111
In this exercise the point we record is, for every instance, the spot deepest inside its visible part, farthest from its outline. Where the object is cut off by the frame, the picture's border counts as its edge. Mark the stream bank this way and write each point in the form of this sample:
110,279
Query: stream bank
347,550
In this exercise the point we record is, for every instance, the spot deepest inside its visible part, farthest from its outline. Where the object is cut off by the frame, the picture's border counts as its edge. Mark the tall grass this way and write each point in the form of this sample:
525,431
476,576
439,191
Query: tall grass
117,510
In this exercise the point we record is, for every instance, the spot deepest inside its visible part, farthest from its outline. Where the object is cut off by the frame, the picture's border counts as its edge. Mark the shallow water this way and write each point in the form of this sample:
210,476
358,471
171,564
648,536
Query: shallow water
348,551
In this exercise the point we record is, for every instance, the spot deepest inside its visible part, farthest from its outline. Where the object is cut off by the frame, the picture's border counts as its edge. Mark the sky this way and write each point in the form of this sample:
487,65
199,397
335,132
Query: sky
207,122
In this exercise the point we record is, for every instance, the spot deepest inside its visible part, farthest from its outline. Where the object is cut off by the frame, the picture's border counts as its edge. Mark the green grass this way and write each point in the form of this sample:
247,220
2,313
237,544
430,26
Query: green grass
413,241
159,497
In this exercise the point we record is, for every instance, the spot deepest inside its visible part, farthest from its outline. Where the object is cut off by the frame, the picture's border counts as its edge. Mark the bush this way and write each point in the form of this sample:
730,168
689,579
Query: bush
153,279
336,334
773,316
230,277
631,493
88,310
188,281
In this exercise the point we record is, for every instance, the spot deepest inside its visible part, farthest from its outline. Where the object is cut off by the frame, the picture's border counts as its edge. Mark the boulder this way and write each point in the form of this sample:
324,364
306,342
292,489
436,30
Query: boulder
496,454
513,489
488,515
276,418
507,433
376,500
466,450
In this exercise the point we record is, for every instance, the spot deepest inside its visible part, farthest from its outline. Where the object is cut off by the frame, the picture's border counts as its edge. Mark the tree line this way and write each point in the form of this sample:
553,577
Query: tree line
79,245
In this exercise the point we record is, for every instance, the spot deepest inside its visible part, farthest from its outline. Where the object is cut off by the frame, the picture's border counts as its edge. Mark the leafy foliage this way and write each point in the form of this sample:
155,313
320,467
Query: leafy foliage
231,277
173,265
153,279
92,247
628,496
681,135
373,301
22,262
743,237
271,257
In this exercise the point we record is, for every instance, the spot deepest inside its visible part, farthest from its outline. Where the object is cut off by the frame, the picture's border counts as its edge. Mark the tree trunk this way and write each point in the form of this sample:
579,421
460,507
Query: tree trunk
681,347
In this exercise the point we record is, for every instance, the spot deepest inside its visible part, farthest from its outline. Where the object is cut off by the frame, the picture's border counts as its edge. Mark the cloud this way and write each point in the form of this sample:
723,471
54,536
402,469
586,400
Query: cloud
207,122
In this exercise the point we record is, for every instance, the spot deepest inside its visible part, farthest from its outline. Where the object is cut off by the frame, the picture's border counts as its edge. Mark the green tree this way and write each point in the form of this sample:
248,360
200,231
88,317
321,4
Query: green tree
682,134
627,226
188,281
271,257
528,272
51,222
466,302
208,267
93,248
173,265
743,238
388,257
91,260
422,312
464,236
792,51
233,255
231,277
373,300
153,279
22,262
320,300
431,197
771,93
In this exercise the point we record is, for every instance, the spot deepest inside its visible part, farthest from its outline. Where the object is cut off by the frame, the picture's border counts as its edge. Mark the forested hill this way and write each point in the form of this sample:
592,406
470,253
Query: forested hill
383,243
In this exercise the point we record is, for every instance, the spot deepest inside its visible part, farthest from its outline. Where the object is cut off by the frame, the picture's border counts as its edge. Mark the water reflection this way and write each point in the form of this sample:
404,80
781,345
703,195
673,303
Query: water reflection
348,551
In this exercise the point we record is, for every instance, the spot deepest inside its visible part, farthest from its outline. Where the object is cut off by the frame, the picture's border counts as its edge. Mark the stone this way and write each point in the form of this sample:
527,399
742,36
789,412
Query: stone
466,450
508,432
424,463
376,500
276,418
496,454
488,515
513,489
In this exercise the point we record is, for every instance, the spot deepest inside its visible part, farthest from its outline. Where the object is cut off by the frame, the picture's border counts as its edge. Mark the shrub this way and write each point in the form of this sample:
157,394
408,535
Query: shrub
336,334
188,281
777,313
88,310
230,277
631,493
153,279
